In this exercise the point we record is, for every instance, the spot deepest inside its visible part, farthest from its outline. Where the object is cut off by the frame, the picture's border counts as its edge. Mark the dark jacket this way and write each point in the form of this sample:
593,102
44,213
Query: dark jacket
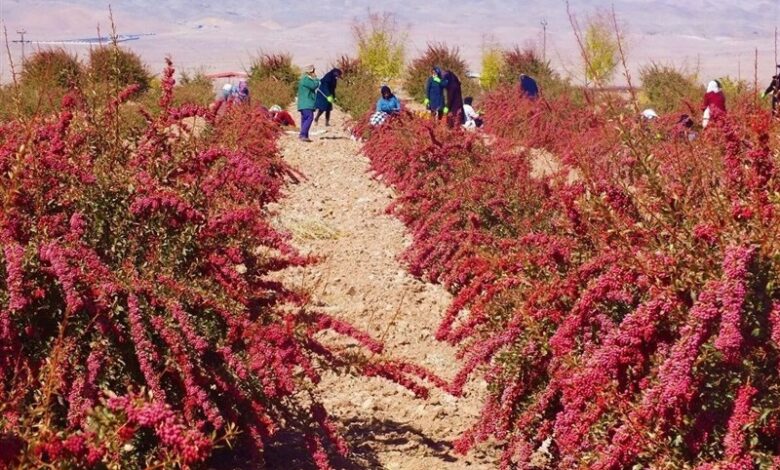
327,88
528,87
434,93
774,91
774,86
454,96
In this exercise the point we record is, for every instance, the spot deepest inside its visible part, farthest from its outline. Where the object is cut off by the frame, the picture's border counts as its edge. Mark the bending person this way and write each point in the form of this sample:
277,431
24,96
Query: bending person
528,87
454,103
280,116
473,118
326,95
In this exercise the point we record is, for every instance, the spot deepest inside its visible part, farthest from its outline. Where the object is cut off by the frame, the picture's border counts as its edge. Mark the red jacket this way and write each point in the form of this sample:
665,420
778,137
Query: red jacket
714,100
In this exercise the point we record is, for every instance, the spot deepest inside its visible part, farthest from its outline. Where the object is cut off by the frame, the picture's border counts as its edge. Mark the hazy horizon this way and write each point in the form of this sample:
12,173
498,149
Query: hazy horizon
715,38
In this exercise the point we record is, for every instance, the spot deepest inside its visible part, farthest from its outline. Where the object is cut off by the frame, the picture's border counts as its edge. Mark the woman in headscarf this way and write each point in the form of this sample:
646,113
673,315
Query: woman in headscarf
773,90
280,116
227,92
388,103
242,95
528,87
454,104
434,93
714,102
326,95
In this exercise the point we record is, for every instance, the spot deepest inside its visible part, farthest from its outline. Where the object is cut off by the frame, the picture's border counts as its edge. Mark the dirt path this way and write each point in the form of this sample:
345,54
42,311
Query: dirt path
338,214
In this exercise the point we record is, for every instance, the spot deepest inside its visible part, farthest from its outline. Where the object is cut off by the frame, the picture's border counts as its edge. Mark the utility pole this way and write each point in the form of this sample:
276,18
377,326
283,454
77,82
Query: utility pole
21,33
544,39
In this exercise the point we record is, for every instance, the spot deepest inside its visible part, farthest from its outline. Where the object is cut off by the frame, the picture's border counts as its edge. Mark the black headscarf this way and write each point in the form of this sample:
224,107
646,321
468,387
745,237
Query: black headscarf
387,89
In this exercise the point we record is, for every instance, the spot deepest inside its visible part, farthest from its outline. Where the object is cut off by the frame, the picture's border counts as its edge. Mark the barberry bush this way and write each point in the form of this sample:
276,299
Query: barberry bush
273,79
115,67
140,326
623,307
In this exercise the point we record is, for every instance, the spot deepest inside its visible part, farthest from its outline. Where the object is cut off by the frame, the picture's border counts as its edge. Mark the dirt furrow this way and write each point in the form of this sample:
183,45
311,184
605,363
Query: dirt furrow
338,214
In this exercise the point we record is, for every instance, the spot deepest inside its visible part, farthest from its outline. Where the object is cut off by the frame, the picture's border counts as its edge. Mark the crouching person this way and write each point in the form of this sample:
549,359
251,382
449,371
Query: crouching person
386,106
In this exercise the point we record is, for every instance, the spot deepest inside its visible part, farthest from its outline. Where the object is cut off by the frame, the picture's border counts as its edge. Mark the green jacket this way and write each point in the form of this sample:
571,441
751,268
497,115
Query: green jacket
306,92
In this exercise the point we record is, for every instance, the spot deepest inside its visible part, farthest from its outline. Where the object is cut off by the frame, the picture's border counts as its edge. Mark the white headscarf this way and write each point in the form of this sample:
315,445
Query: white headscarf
649,114
713,86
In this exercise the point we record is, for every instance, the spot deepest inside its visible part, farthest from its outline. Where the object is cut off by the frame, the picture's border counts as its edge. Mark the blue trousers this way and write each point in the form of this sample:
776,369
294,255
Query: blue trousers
307,117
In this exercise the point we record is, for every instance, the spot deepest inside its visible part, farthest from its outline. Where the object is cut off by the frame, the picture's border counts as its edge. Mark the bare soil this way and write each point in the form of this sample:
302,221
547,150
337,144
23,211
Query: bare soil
338,214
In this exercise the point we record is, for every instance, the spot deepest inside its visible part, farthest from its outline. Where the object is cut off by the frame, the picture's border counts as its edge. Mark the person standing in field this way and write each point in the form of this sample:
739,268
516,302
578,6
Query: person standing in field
714,102
307,88
528,87
454,102
774,90
434,93
326,95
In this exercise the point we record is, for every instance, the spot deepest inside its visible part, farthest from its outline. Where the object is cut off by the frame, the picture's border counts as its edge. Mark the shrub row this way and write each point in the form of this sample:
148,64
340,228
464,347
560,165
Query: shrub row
139,323
623,304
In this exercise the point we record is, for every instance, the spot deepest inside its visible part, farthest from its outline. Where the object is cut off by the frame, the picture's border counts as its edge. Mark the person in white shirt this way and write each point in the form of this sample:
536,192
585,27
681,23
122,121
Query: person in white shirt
472,117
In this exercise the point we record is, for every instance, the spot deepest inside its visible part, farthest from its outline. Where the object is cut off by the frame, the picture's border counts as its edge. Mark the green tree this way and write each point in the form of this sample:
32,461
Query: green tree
492,67
381,44
601,49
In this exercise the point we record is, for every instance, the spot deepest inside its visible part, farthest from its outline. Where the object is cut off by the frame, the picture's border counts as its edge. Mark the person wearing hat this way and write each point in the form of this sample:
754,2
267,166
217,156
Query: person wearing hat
774,89
307,89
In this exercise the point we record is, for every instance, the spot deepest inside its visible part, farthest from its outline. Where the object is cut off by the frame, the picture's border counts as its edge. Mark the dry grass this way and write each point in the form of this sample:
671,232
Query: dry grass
309,228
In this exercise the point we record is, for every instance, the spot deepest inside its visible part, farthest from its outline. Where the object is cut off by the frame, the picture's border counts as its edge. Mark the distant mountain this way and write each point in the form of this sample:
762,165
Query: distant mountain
705,18
719,36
